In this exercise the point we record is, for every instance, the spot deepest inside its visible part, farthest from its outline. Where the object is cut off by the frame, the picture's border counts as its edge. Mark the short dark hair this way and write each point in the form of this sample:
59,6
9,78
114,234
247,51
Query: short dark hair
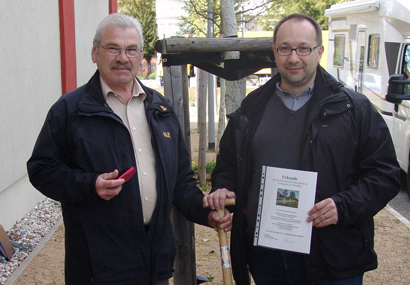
299,18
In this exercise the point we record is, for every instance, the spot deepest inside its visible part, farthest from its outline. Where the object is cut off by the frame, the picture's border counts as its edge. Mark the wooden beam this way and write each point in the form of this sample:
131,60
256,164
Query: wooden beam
202,91
176,92
176,45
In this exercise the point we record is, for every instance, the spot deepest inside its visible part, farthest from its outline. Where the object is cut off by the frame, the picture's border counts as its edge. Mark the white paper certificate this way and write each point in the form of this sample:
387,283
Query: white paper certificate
285,198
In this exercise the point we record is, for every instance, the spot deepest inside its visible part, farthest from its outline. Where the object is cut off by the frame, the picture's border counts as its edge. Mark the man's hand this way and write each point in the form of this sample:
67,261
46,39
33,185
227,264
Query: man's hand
225,222
107,186
216,200
323,213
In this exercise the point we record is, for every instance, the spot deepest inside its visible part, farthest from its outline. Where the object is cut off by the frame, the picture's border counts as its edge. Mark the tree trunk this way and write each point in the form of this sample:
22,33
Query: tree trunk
234,89
222,113
149,66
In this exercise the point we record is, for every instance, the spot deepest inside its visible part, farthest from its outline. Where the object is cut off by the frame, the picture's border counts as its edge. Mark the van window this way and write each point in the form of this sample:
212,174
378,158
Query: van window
339,51
406,68
373,53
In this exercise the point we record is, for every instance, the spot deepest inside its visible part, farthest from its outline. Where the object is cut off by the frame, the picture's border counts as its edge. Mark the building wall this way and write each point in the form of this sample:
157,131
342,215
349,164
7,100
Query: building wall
85,25
30,76
168,12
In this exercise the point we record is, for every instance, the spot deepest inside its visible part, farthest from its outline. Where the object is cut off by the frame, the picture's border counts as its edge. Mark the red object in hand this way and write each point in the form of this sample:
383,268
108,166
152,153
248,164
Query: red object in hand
127,174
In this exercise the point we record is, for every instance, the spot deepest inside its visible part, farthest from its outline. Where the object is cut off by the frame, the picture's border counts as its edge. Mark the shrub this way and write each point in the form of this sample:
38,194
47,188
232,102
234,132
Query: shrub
152,75
210,166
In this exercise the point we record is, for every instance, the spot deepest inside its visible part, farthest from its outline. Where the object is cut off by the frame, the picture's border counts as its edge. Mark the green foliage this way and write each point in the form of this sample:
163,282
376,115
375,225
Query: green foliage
195,23
210,166
313,8
194,167
152,75
144,11
210,277
205,188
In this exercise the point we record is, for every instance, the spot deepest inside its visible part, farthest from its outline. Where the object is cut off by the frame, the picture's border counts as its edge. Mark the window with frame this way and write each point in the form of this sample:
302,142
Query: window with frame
373,52
339,50
406,68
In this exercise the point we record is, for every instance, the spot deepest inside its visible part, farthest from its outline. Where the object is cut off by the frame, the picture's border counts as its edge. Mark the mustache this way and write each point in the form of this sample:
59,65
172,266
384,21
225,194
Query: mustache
119,64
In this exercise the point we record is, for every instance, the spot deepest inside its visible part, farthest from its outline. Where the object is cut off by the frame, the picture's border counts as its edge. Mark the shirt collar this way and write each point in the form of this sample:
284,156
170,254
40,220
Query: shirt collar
291,101
136,92
307,93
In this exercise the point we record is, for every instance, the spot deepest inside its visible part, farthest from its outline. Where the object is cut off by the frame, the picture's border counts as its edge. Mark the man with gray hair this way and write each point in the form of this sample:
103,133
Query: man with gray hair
117,231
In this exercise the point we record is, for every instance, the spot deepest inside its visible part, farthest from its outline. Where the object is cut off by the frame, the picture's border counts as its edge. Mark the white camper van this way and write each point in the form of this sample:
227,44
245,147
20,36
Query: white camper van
369,43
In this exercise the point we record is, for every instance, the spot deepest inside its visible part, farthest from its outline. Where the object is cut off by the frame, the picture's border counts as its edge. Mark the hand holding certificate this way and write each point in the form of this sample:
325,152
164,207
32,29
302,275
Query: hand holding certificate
286,196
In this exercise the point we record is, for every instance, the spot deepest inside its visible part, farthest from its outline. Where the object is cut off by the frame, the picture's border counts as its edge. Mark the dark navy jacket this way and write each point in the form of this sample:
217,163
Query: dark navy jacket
82,138
348,144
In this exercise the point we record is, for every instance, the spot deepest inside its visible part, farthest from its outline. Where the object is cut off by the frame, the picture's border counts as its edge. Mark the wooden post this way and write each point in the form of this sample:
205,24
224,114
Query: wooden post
176,92
201,87
186,126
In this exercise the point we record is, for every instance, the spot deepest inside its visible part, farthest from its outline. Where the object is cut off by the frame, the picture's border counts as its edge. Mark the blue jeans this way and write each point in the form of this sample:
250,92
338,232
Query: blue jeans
272,267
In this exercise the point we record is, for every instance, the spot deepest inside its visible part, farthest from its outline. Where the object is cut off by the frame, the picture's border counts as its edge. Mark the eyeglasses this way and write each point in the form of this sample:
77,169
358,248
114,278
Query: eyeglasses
301,51
116,51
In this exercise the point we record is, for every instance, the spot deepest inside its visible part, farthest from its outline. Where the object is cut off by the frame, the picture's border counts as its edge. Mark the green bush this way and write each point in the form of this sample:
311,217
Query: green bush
194,167
210,166
152,75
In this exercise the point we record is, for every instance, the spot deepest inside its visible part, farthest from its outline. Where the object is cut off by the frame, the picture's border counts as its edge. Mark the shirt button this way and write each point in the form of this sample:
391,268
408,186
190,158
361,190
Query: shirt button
139,150
146,198
134,128
145,173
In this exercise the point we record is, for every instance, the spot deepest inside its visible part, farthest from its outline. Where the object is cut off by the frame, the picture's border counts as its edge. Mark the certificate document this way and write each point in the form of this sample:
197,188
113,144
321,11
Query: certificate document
285,198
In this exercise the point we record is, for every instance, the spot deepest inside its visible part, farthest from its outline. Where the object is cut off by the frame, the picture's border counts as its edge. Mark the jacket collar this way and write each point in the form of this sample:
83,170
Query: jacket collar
325,86
93,88
93,100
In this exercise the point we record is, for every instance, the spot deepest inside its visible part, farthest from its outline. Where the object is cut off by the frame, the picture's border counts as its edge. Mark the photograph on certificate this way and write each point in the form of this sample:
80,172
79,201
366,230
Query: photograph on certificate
286,196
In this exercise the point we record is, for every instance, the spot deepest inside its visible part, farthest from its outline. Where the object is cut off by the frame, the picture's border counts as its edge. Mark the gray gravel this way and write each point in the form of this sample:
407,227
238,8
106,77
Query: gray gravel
26,234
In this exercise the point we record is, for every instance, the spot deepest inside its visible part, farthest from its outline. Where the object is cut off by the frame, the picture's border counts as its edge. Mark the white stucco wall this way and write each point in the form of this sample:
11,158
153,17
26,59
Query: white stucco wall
30,77
31,82
86,24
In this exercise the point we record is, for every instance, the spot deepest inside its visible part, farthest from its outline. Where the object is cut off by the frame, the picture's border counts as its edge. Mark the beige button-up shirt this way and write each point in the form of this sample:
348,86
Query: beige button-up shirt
134,118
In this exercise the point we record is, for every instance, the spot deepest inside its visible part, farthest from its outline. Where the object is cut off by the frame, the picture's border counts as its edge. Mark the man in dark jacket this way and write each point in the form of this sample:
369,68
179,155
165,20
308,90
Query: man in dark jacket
303,119
116,231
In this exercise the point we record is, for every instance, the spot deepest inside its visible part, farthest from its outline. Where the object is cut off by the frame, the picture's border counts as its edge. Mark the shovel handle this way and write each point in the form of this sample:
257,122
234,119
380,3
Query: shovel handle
224,246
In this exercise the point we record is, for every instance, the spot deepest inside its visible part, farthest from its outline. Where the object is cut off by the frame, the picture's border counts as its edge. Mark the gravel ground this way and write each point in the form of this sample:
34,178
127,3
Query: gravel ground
26,234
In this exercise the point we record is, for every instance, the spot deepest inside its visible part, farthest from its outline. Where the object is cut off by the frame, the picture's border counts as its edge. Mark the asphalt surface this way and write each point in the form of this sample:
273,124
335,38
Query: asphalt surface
401,203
